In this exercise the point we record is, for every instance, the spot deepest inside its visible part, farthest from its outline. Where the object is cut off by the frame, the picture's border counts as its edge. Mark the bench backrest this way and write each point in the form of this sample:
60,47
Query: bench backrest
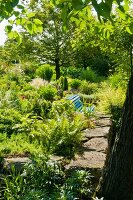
78,105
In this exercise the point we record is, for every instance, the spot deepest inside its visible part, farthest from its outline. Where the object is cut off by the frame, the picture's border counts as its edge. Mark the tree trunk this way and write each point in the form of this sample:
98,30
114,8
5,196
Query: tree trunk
57,68
131,58
117,181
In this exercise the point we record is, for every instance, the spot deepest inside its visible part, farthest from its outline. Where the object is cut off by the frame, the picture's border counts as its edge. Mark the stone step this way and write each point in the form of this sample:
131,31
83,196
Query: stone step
89,160
97,144
96,132
102,122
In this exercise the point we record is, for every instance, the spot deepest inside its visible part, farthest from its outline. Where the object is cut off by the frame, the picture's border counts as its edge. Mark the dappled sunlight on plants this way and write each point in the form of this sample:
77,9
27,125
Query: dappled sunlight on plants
109,96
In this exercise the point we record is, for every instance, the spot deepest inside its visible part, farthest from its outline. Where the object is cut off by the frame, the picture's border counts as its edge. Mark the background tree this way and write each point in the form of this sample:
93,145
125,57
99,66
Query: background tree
53,46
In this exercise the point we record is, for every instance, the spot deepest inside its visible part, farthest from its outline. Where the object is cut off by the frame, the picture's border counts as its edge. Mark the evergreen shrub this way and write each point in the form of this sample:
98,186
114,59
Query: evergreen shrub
89,75
48,92
45,72
75,83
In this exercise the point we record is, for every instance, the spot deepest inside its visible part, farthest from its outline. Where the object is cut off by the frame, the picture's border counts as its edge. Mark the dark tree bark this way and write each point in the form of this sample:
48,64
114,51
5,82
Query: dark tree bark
117,180
57,68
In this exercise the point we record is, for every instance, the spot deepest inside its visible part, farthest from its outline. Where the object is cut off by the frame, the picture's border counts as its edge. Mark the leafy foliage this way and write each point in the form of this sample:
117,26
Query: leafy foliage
45,72
44,179
48,92
88,88
75,83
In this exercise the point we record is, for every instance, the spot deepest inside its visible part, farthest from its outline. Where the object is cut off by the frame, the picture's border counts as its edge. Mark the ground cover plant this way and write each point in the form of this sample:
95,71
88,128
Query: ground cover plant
44,179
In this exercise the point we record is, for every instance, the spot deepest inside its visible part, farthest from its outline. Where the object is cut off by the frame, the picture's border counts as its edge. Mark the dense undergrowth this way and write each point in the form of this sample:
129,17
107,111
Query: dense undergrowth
36,119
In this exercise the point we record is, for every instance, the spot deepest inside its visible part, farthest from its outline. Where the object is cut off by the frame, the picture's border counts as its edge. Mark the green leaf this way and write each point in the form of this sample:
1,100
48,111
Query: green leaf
38,21
121,8
20,7
64,14
14,3
19,39
77,4
8,28
11,22
21,21
16,13
126,5
128,30
37,28
121,12
104,10
11,35
8,7
30,15
15,35
82,25
29,27
109,3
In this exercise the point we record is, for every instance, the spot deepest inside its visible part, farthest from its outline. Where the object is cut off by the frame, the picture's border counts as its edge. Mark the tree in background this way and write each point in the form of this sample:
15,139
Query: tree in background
53,45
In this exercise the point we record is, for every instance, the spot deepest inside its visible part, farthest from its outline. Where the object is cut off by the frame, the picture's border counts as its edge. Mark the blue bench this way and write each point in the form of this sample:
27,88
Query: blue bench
78,105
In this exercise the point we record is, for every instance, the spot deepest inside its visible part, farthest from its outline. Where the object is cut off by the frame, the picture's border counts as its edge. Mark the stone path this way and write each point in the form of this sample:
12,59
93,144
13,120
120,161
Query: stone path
94,146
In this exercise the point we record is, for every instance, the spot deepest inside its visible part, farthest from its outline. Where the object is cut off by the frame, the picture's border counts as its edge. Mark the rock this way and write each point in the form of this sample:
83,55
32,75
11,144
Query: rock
97,144
103,122
18,162
97,132
89,160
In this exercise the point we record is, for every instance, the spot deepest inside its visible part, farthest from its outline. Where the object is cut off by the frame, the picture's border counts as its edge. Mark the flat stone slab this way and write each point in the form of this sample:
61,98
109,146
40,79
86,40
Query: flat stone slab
89,160
103,122
18,162
97,132
96,144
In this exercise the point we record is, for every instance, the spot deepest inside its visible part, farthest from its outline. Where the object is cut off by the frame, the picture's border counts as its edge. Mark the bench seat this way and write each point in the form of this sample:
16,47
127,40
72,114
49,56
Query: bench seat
78,104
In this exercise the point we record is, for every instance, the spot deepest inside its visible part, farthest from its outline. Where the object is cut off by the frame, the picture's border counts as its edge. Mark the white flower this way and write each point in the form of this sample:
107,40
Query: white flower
38,82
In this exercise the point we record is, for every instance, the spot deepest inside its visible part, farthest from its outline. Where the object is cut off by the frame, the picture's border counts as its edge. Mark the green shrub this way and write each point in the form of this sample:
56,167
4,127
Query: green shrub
27,99
48,92
9,99
116,112
41,107
62,85
20,144
78,184
65,84
8,119
72,72
109,96
75,83
88,88
45,72
15,74
66,135
119,79
62,106
29,69
89,75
